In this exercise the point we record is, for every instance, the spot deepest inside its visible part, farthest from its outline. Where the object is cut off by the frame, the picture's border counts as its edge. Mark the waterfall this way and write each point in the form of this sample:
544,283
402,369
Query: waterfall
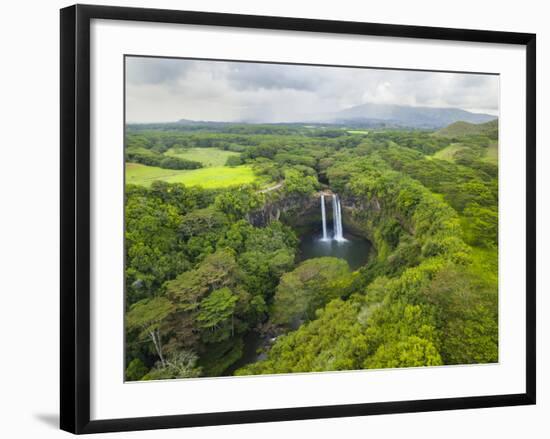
338,232
324,215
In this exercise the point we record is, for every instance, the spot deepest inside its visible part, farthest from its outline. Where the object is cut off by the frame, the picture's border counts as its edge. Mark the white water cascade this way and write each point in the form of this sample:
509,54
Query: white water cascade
324,215
338,232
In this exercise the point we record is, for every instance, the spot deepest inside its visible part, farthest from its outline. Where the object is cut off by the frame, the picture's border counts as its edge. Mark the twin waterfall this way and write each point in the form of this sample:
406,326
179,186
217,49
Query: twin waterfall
338,231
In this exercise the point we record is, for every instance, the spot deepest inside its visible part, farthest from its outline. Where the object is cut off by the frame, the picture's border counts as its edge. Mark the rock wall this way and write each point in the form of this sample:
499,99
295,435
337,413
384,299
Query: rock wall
294,210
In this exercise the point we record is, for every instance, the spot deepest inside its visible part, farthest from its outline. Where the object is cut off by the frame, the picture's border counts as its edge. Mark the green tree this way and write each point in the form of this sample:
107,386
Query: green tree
334,341
481,225
216,310
411,351
135,370
237,203
180,365
234,160
218,270
311,285
211,303
298,184
466,311
147,316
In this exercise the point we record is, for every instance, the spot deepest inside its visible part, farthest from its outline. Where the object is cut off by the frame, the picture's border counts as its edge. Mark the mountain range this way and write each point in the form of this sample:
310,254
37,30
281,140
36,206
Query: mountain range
383,115
405,116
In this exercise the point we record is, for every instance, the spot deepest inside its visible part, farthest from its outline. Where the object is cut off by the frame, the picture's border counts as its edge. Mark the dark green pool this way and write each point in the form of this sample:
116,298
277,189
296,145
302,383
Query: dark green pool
355,249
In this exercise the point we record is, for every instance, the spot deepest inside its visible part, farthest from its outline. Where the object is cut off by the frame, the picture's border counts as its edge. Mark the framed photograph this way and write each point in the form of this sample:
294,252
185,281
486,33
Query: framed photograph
268,218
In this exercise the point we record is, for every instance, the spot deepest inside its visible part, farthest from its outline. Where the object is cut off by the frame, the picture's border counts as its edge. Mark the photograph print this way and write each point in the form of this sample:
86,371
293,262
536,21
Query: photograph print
292,218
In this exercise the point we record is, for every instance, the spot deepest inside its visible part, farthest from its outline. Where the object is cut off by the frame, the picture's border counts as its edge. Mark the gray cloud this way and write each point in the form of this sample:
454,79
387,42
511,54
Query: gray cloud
155,70
252,76
161,90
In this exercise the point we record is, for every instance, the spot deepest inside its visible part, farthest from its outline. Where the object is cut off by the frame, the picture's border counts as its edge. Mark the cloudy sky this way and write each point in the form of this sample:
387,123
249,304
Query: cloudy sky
166,90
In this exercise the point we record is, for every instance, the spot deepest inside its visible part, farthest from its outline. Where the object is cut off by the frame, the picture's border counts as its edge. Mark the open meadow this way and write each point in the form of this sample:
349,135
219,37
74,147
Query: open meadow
209,157
209,178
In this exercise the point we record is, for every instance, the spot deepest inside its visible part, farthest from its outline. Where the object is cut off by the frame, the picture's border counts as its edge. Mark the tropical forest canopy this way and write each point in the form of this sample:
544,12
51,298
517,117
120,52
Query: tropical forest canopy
209,263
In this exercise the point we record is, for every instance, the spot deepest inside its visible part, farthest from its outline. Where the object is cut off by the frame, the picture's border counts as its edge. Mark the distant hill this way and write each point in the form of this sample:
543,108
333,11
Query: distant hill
461,129
371,115
404,116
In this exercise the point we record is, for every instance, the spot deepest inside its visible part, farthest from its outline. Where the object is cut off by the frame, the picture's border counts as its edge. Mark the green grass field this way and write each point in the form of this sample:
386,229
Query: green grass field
357,132
209,157
448,152
210,178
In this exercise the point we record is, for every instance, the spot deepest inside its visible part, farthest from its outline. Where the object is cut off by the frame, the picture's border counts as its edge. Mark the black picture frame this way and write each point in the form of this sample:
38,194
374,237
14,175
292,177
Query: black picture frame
75,217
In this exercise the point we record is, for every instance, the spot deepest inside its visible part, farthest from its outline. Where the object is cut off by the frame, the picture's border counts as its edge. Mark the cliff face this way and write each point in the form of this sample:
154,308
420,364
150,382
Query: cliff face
302,211
358,215
294,210
362,210
357,204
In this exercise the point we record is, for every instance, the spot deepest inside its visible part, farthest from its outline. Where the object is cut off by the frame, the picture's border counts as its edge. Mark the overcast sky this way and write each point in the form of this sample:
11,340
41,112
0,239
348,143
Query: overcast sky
166,90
